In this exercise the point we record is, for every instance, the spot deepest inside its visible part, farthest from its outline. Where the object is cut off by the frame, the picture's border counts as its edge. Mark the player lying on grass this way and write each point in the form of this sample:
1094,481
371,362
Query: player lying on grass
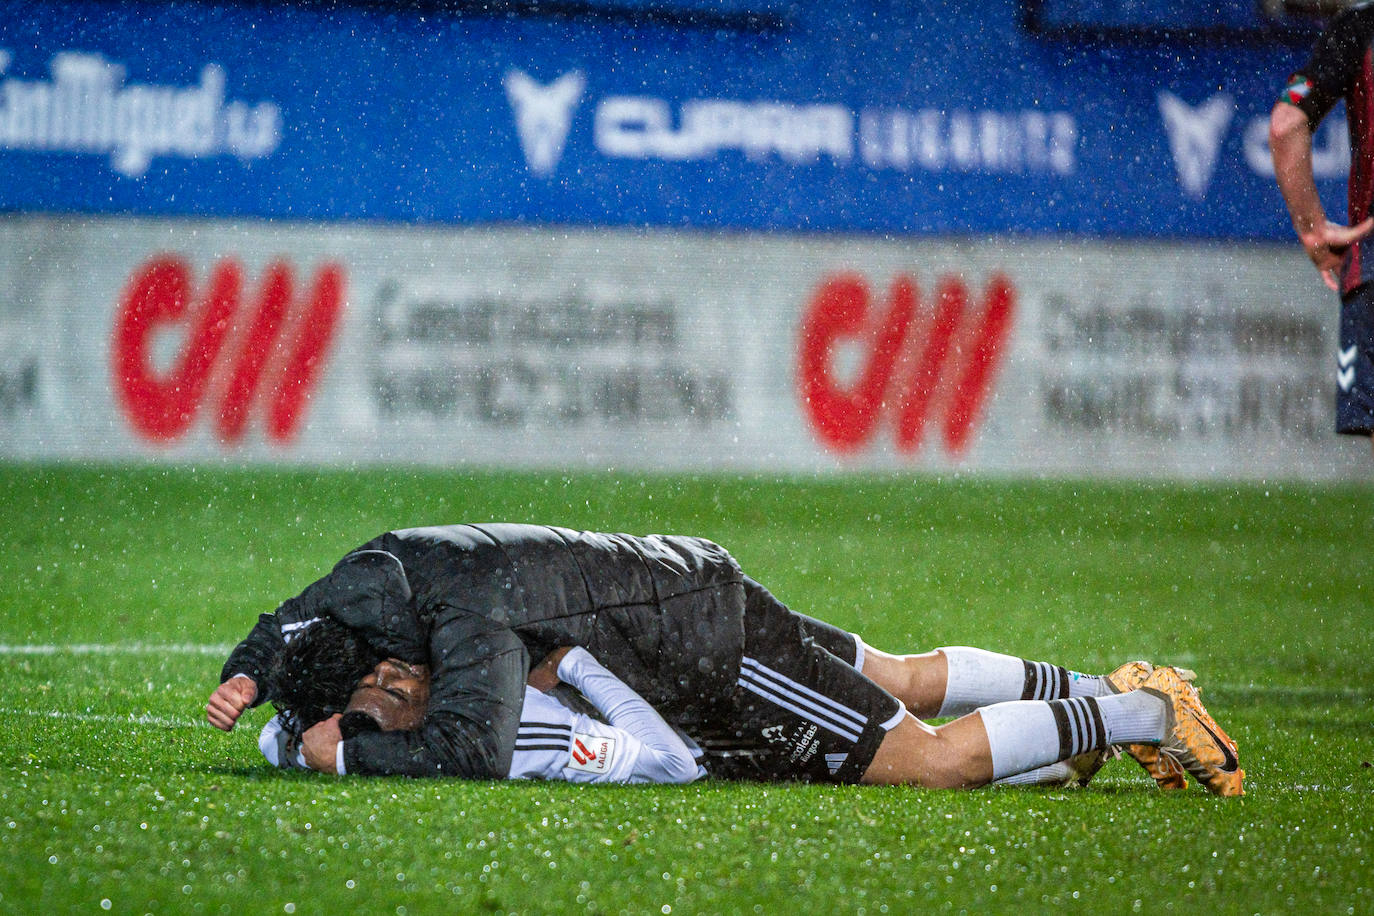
767,692
556,742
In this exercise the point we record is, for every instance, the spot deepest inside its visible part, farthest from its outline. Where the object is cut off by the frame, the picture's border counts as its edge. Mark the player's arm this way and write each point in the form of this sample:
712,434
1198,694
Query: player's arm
477,686
243,673
1326,242
663,757
280,747
1308,97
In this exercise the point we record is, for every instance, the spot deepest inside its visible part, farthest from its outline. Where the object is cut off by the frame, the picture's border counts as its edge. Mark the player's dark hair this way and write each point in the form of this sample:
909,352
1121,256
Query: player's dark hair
313,675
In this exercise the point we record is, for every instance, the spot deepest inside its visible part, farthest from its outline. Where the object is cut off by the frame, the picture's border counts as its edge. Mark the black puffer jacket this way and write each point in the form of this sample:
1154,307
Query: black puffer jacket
478,603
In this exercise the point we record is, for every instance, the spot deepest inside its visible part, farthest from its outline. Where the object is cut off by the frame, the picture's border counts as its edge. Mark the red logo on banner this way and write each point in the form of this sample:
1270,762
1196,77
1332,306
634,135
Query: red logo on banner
266,348
917,361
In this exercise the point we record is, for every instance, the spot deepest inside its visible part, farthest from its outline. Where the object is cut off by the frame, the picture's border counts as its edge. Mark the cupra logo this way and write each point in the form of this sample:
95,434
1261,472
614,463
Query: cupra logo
1195,135
543,116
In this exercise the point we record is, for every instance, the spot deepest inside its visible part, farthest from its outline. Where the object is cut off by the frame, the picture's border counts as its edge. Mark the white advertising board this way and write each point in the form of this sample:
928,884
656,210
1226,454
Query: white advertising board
506,347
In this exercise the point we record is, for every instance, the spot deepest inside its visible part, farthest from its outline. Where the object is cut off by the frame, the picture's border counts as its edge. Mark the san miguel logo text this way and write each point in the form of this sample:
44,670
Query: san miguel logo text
89,107
918,364
244,346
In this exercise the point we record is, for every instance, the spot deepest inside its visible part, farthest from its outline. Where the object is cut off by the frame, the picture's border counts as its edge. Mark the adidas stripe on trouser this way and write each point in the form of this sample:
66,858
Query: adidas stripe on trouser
805,702
801,711
809,735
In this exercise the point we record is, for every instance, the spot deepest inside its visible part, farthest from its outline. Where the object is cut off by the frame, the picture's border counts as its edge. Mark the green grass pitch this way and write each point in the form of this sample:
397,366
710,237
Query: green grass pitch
121,589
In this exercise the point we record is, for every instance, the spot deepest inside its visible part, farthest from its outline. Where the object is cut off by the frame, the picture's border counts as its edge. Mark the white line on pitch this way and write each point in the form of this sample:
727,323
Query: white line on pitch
130,719
133,648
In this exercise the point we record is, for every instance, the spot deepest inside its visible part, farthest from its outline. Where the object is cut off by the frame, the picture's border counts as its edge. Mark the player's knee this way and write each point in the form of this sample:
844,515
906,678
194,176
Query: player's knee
922,682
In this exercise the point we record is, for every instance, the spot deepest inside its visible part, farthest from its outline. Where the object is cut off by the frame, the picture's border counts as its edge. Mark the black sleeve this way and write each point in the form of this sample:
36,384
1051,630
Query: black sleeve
367,590
477,683
254,655
1329,73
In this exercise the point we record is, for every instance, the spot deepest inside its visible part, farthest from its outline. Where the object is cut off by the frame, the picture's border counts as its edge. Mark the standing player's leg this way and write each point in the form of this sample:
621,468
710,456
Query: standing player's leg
1355,364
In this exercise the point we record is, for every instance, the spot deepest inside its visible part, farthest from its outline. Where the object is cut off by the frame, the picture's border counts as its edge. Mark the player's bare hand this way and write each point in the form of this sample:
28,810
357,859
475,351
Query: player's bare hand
1327,244
229,701
544,676
320,744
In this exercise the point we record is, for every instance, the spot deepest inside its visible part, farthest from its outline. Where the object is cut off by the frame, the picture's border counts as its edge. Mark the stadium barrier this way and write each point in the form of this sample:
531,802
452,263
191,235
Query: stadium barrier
192,341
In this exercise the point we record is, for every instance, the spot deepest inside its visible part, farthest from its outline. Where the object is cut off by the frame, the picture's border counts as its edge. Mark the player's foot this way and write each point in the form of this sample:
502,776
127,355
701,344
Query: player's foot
1166,772
1192,737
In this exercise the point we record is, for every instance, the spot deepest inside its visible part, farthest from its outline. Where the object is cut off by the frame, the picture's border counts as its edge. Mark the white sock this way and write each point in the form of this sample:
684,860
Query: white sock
1089,685
1135,717
1055,774
1022,735
979,678
1026,734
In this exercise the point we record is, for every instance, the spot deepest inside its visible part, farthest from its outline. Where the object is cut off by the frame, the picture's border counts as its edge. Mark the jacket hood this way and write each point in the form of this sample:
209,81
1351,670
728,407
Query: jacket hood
368,591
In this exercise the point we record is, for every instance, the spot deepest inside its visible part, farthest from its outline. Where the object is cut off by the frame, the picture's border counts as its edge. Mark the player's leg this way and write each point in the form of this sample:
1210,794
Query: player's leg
956,680
919,681
805,713
1354,366
1011,738
1017,737
950,681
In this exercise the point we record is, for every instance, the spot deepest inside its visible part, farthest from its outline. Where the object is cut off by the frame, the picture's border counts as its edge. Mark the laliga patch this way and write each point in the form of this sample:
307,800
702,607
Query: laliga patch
591,753
1298,88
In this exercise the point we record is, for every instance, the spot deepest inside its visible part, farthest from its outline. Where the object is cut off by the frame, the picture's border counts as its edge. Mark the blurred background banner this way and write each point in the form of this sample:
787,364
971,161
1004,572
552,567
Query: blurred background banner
1079,118
661,350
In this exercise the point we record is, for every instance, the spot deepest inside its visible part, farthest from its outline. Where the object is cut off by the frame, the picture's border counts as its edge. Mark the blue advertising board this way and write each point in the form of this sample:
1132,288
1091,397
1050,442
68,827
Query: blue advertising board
1171,16
868,117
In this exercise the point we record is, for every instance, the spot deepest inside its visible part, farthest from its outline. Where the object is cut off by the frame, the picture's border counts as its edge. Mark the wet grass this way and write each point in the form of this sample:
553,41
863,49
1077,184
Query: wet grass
112,789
